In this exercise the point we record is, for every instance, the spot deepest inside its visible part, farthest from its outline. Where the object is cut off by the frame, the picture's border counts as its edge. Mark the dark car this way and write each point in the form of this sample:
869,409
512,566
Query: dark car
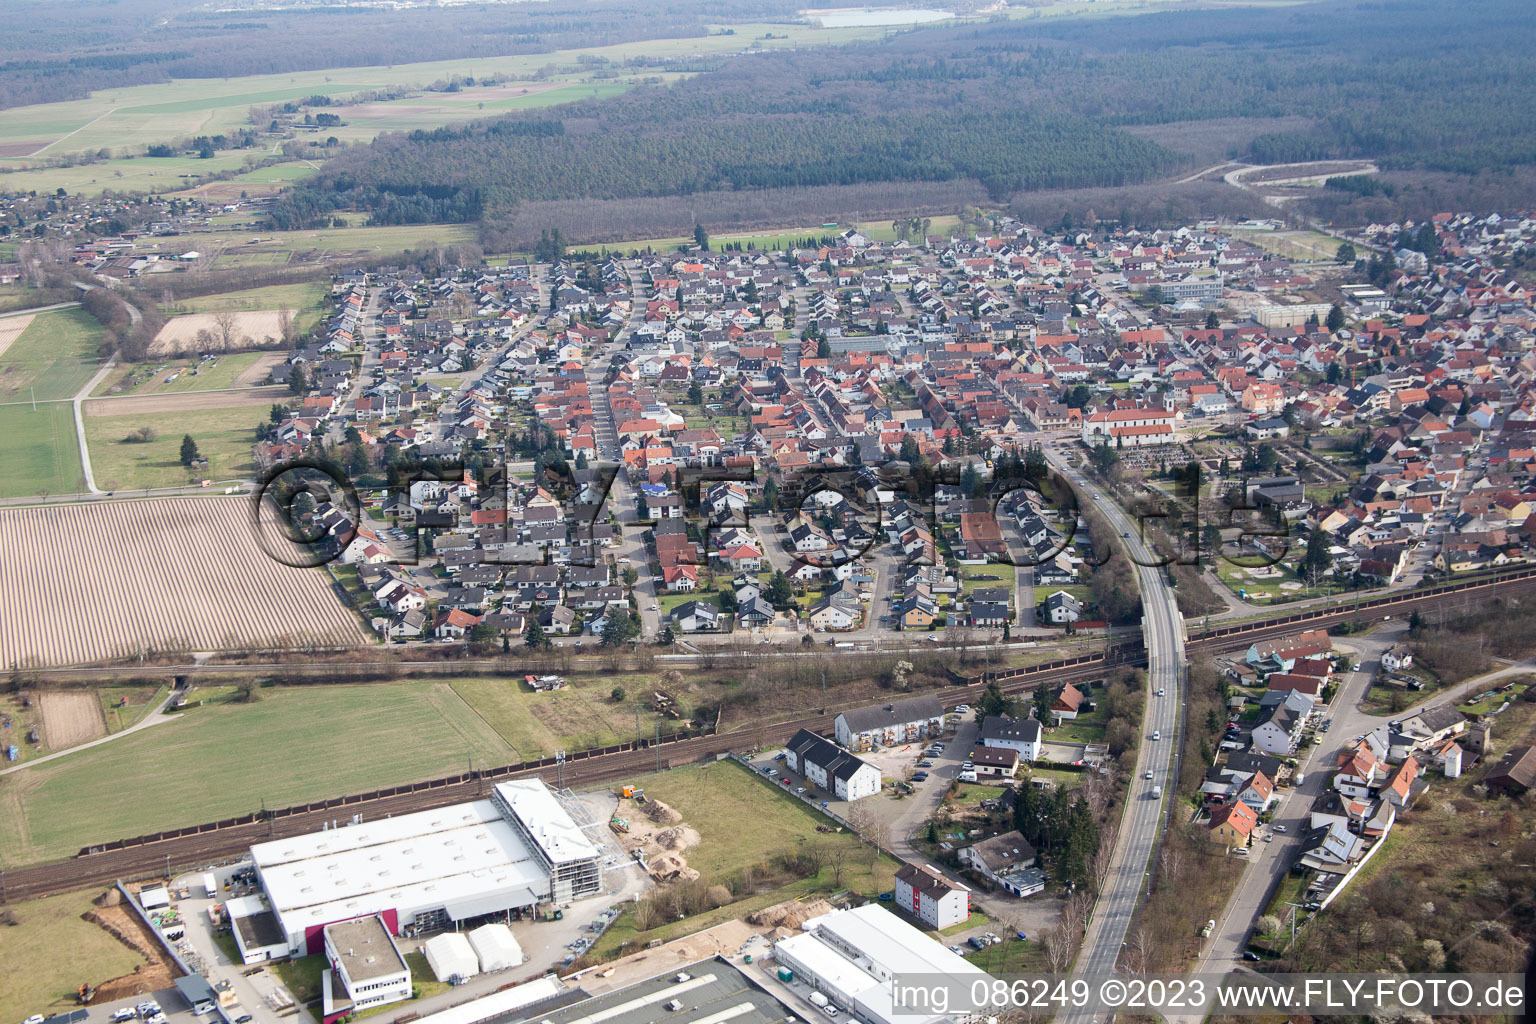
925,764
919,777
1248,954
244,1018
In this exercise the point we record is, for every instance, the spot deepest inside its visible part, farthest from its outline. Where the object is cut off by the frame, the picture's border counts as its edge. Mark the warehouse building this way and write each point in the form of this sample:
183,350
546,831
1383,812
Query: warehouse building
421,872
852,956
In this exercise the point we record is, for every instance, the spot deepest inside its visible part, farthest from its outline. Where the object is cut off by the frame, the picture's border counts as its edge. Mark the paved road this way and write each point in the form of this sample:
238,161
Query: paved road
1142,821
79,403
1270,860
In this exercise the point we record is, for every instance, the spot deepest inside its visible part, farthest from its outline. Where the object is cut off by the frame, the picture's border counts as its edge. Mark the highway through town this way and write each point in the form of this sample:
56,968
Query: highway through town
1142,822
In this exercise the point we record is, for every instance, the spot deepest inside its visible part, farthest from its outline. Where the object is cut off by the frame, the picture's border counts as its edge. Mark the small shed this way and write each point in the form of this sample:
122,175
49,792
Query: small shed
449,955
154,896
496,947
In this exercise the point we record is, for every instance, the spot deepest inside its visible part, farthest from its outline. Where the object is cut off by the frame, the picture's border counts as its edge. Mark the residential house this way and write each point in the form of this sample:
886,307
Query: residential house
905,721
1021,734
830,768
1232,824
1007,861
927,895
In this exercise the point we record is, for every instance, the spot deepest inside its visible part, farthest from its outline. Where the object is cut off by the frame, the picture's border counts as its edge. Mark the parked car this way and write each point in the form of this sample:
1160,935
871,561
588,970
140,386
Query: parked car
780,756
920,777
957,951
925,764
36,1018
800,790
1249,954
1279,828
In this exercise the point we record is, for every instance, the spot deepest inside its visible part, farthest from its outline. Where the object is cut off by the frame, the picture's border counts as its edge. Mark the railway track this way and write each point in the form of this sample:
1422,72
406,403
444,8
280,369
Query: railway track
153,855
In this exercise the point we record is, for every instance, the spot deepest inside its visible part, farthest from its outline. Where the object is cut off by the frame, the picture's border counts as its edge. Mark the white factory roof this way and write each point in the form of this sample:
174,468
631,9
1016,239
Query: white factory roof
465,858
497,1003
889,946
551,827
857,952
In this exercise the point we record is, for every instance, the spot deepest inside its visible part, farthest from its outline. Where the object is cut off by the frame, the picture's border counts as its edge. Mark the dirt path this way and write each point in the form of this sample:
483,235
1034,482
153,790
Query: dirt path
72,718
258,371
154,717
185,401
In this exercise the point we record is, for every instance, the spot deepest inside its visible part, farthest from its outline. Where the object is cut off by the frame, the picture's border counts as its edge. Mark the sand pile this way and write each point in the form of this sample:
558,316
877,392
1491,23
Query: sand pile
669,867
675,839
661,814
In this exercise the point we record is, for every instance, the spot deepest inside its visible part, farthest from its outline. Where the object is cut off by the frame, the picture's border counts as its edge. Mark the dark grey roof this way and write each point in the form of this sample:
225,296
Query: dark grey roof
1001,727
880,716
825,754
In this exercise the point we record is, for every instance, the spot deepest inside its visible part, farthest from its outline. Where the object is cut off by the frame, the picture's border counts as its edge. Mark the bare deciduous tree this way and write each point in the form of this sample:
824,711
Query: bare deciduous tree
226,324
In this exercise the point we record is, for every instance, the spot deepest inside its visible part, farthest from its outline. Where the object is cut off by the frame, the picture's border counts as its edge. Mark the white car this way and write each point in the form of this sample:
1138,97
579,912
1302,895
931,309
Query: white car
36,1018
961,709
1160,691
1148,775
1156,735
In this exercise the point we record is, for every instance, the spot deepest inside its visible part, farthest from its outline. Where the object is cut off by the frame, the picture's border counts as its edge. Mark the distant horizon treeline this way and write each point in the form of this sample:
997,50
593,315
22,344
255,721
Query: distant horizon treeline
105,44
1018,106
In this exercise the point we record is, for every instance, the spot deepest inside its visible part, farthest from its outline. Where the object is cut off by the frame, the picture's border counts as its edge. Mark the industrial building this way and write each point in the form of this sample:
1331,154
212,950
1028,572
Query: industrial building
422,871
365,968
852,956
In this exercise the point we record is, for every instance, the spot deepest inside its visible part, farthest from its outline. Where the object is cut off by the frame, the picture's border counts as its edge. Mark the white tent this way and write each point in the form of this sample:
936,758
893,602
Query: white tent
449,954
496,947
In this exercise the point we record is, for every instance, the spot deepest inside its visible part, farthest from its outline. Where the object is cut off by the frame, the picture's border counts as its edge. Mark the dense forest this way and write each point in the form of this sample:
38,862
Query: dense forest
1016,105
64,49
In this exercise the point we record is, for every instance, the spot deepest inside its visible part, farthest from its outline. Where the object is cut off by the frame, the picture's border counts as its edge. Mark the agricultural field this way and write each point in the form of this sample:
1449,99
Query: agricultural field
152,174
222,423
51,358
200,332
48,951
192,578
309,301
260,181
41,452
242,242
291,746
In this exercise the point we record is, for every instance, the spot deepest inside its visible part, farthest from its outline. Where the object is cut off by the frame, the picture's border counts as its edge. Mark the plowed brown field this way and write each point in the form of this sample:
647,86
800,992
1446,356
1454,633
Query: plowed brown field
100,582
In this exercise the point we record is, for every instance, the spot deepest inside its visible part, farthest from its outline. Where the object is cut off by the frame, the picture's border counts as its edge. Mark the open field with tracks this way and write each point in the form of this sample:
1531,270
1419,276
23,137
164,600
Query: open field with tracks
41,452
223,423
293,745
52,358
186,576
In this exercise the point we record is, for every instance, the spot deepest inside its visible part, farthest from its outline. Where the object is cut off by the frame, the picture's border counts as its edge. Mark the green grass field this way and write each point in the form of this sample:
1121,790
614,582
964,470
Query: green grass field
537,724
52,359
294,745
40,452
153,378
324,242
50,951
224,436
311,300
123,174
